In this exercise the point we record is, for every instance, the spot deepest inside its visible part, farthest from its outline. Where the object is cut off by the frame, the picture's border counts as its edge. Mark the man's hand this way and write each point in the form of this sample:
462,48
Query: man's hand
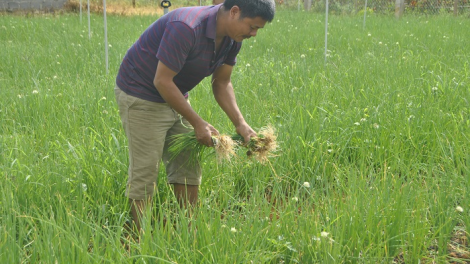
245,131
204,133
169,91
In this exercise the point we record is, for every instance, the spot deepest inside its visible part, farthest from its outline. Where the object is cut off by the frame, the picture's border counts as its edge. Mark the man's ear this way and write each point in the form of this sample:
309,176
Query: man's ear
235,12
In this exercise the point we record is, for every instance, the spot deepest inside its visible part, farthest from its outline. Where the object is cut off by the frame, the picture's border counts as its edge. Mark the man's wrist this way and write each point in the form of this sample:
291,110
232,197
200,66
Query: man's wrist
240,122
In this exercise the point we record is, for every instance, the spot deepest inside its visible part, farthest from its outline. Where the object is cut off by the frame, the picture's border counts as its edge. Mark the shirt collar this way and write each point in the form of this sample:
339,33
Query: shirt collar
212,21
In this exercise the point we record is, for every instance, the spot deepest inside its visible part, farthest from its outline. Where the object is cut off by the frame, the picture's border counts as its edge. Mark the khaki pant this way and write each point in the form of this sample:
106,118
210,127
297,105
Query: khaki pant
149,126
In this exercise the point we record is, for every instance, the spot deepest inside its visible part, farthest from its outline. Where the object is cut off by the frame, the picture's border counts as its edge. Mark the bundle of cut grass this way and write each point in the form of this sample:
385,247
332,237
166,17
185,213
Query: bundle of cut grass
261,147
224,146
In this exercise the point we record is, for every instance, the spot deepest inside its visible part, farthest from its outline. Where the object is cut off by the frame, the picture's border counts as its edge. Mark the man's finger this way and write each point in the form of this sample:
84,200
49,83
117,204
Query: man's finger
214,141
214,131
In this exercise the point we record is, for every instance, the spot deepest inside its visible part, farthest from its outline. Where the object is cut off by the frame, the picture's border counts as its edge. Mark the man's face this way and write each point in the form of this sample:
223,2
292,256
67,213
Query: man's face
243,28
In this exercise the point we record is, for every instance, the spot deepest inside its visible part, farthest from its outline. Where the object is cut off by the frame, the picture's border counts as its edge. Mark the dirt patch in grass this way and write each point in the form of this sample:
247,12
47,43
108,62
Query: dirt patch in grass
458,251
458,247
113,8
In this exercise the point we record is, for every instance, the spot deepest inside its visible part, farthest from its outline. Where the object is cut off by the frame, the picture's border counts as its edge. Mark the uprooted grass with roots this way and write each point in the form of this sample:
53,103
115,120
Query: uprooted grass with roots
261,147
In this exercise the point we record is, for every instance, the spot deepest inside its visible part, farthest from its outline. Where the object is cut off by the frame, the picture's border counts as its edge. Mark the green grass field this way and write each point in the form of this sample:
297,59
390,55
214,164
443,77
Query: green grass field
380,133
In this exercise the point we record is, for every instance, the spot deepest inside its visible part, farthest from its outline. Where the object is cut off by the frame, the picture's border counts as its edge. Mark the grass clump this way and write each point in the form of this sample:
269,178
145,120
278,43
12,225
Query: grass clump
262,146
186,142
224,147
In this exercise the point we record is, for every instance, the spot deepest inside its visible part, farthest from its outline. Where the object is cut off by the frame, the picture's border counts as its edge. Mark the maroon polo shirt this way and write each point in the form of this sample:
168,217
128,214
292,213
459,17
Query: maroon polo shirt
183,40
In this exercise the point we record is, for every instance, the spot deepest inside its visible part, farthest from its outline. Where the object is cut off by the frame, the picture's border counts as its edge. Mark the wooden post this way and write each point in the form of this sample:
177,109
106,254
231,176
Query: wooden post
307,4
399,8
456,7
133,3
89,27
365,13
106,47
326,29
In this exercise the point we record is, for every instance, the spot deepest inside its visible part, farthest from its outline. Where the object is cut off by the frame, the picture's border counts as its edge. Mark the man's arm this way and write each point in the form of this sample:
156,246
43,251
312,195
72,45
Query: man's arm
225,97
163,81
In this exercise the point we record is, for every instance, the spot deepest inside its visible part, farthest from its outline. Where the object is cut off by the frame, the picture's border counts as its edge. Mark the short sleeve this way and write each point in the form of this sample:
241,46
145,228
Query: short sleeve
177,41
232,54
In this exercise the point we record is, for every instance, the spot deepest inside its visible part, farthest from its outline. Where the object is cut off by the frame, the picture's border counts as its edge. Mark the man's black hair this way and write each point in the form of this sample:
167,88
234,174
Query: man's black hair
253,8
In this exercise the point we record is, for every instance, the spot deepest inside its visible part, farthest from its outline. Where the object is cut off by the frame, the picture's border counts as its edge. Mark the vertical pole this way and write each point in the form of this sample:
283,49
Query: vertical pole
80,11
105,36
89,29
456,7
326,30
298,5
365,12
399,8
